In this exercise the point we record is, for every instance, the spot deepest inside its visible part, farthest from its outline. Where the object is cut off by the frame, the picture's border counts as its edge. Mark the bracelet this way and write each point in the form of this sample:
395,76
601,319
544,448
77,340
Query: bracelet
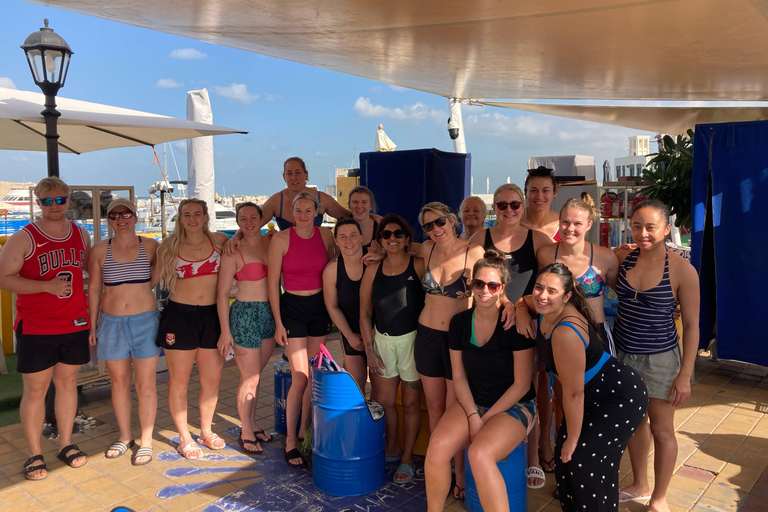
473,414
522,306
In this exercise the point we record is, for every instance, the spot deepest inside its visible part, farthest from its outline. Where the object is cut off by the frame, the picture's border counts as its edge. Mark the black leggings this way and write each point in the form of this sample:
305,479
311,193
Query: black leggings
615,403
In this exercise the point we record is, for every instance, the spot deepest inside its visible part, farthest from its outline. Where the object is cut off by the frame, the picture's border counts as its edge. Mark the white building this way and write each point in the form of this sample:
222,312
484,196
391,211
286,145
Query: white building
638,158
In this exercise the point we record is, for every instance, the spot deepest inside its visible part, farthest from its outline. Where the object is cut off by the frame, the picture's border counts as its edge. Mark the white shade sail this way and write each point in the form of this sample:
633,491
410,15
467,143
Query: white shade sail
671,120
521,49
85,126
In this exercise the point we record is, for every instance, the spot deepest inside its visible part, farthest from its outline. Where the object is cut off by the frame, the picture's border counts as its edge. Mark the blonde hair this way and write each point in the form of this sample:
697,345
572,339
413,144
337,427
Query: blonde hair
509,186
441,209
51,183
585,204
169,251
479,200
305,195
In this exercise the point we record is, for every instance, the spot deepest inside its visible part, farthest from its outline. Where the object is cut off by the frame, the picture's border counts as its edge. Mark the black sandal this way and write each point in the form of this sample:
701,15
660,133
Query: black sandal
268,438
242,442
29,469
69,459
294,454
457,490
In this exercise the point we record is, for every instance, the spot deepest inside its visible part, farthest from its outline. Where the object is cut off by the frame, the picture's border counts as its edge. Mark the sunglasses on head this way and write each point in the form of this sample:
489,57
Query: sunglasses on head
116,215
48,201
502,205
479,285
439,222
387,234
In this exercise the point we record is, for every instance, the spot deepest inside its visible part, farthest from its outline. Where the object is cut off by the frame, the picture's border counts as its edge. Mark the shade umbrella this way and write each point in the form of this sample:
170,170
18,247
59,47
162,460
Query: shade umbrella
85,126
383,143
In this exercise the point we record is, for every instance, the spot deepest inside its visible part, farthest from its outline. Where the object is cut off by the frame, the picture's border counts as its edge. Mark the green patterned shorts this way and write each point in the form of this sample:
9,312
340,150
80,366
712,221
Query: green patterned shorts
251,322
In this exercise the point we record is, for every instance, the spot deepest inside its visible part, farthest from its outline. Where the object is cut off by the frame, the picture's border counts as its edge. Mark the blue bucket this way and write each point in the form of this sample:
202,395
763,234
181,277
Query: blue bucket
282,385
347,444
513,471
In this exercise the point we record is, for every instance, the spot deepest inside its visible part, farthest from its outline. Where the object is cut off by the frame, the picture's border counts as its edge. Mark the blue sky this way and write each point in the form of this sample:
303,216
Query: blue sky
288,109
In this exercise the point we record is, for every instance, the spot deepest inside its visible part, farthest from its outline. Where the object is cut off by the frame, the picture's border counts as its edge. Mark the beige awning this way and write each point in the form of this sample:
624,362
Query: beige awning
515,49
671,120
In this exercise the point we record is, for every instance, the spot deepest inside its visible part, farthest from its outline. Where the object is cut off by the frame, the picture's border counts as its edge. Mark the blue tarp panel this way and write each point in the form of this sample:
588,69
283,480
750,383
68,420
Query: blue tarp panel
729,240
404,181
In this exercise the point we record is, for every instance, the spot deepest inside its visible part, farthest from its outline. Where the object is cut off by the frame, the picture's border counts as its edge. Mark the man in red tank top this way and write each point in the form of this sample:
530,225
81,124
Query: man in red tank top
43,264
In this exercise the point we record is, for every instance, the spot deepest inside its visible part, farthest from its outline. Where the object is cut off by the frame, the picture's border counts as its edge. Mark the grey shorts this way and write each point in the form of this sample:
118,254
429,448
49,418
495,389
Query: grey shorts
657,370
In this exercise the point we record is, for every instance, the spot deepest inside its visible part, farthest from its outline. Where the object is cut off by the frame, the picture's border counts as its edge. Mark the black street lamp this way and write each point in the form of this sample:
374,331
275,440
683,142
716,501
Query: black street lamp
48,57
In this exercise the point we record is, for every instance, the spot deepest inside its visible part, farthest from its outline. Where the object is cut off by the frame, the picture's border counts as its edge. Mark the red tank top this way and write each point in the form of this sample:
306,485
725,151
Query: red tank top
44,313
304,262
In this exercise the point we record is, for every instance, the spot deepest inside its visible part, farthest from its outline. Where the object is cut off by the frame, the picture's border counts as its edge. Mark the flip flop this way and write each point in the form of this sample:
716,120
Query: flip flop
70,459
212,442
393,458
534,472
29,470
267,437
631,497
294,454
144,451
119,447
547,464
458,491
404,469
255,442
191,451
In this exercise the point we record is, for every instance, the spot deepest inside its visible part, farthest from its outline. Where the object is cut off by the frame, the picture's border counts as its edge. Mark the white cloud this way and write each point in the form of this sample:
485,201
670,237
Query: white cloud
236,92
7,83
167,83
397,88
271,97
416,112
376,88
321,154
181,144
187,53
497,124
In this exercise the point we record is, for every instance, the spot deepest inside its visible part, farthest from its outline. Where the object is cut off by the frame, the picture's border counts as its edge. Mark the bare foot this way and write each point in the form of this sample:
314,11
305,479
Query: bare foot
658,506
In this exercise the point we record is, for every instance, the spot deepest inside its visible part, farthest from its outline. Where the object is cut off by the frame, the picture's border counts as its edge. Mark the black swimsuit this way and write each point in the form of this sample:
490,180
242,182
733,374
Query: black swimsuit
348,297
521,264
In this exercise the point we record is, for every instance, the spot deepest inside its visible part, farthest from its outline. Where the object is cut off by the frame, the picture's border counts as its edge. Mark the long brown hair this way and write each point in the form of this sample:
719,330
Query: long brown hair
578,299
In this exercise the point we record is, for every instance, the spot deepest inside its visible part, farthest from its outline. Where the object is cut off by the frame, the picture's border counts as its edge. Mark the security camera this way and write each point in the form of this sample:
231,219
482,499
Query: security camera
453,128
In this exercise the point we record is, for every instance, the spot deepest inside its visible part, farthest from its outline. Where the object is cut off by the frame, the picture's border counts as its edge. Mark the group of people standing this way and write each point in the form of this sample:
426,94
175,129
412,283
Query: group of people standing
471,319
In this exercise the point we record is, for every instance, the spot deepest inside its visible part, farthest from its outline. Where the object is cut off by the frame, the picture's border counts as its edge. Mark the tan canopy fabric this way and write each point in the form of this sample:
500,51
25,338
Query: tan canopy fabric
671,120
522,49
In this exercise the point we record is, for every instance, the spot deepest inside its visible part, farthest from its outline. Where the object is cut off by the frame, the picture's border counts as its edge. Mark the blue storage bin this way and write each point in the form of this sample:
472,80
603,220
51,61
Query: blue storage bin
347,444
513,471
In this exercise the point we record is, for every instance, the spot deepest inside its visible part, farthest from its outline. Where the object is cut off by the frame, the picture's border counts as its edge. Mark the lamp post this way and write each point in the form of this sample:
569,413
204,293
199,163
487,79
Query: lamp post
48,57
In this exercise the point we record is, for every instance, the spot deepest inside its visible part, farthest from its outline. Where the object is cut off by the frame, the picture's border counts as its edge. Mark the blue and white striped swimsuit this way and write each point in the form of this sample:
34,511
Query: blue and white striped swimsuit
137,271
644,324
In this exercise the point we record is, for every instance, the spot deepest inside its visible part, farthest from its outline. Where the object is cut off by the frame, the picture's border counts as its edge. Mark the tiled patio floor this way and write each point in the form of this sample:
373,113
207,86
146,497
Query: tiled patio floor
722,433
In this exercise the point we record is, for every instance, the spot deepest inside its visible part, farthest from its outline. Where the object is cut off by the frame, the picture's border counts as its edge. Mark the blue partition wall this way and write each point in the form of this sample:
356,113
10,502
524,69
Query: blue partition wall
729,243
404,181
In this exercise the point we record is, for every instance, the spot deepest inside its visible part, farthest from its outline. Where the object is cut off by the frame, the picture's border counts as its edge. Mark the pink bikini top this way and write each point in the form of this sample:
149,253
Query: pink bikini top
254,271
207,267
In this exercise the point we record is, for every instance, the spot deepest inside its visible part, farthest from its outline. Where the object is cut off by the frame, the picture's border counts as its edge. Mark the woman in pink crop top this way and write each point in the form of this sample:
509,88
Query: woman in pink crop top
247,326
188,263
299,255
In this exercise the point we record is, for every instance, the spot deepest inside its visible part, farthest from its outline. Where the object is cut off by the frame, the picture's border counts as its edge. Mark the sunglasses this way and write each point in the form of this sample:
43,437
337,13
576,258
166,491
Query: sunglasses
387,234
116,215
479,285
48,201
439,222
502,205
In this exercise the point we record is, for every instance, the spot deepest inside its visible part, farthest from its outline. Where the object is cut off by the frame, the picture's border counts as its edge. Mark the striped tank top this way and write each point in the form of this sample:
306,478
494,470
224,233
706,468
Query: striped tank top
644,324
137,271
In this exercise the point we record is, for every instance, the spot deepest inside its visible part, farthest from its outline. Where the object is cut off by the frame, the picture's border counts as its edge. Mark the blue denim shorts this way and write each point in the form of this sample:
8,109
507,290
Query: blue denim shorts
130,335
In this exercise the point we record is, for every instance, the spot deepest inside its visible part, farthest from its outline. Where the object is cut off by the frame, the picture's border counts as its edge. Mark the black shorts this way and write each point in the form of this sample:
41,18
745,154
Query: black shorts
348,350
187,327
304,316
430,351
38,352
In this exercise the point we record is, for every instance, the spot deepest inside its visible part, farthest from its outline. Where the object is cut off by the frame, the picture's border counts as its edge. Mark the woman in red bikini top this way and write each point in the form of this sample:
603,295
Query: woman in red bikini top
188,263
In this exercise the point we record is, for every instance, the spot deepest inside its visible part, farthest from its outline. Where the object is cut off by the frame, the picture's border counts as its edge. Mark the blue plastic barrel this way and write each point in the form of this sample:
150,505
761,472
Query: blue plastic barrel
347,444
282,385
513,471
